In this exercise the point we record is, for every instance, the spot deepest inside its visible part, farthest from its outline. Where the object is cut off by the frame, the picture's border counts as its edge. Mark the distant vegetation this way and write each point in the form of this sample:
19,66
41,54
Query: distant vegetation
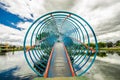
7,47
107,45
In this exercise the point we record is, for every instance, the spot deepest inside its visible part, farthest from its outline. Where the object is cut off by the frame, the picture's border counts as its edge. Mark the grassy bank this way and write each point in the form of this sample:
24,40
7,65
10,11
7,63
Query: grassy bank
110,49
63,78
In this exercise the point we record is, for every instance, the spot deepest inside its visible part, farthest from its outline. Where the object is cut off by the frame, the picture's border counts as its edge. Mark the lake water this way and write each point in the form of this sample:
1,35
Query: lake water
14,67
105,68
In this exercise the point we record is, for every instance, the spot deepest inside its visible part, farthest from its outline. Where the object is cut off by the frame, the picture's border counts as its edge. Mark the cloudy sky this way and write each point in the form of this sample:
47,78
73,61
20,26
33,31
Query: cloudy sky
17,15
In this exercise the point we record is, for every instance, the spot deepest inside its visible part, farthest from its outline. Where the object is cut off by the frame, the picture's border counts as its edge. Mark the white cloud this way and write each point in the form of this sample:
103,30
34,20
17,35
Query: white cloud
113,36
103,15
24,25
10,35
25,7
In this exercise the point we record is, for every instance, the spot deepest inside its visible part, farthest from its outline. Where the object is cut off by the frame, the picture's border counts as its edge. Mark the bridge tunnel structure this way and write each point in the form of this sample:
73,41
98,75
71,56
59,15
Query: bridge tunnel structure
67,28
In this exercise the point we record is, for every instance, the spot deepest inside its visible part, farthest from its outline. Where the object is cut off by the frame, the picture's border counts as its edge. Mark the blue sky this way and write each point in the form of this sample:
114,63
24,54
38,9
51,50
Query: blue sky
11,20
16,16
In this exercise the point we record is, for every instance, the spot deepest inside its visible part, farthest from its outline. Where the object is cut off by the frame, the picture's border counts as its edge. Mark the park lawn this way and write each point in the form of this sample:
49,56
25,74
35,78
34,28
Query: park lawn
62,78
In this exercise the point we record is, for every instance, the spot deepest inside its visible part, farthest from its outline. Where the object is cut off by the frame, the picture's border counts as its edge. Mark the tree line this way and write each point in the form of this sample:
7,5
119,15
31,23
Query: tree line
106,44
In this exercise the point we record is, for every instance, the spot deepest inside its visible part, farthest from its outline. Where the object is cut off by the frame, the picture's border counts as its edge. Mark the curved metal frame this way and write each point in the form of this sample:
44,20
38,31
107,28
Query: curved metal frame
42,24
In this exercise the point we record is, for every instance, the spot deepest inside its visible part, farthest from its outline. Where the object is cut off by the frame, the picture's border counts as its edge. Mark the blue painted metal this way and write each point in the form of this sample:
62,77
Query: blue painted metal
65,27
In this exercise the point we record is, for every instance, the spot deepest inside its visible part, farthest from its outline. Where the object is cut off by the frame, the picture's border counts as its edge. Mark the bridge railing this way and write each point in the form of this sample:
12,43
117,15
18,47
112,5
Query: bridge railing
75,32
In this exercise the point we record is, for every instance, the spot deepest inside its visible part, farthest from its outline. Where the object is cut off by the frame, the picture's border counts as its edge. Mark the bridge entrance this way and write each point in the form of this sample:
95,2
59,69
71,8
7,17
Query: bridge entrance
60,44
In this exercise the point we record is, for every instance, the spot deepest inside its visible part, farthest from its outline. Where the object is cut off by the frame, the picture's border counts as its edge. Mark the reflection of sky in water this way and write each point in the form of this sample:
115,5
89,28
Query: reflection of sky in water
111,58
15,63
15,66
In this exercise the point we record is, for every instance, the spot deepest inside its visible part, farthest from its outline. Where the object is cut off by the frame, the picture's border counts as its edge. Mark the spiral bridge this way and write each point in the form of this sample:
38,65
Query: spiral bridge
60,44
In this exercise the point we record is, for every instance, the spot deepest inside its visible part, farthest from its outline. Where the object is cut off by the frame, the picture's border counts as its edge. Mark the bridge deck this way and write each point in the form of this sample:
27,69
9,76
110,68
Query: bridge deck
59,66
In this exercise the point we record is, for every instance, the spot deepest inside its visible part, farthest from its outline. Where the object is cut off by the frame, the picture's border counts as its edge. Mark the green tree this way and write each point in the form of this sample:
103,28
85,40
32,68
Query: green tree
117,43
101,44
109,44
